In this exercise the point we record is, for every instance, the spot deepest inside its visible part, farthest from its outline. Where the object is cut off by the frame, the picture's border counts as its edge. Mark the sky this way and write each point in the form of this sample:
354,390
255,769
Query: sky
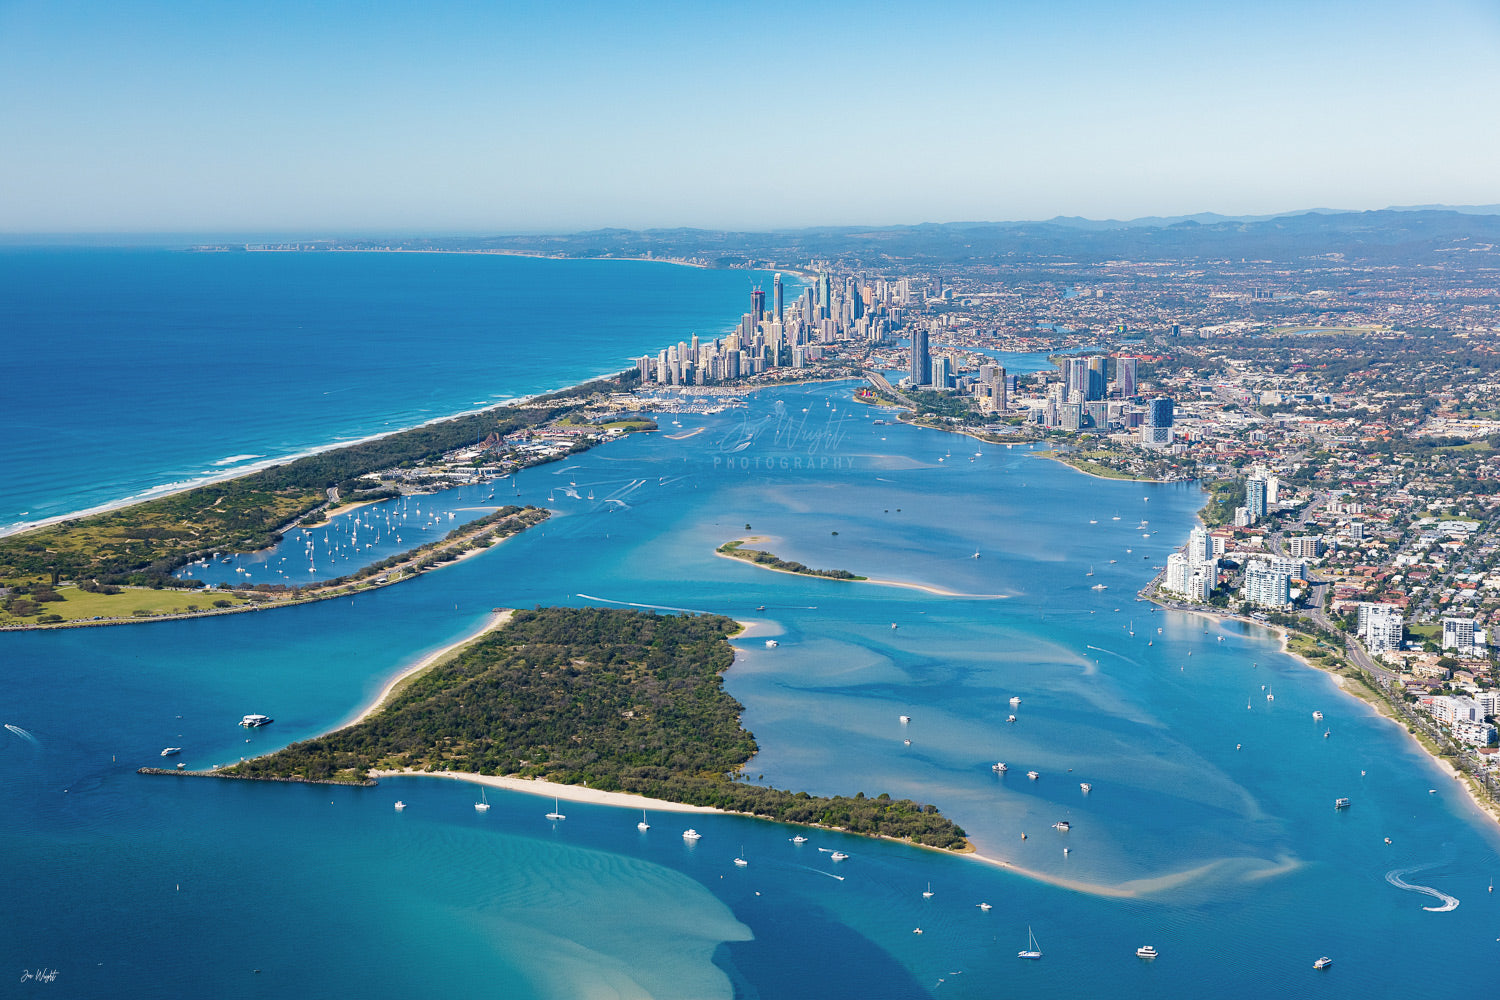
442,117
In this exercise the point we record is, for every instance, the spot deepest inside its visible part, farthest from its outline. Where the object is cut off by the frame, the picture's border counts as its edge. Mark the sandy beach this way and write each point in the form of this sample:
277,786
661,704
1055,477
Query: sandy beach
494,621
553,790
904,584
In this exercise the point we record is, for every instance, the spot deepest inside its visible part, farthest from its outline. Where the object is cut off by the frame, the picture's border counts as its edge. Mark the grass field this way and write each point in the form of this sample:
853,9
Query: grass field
79,605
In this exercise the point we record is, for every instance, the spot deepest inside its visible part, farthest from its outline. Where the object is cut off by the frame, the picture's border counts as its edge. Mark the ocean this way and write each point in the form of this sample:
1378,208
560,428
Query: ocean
1209,829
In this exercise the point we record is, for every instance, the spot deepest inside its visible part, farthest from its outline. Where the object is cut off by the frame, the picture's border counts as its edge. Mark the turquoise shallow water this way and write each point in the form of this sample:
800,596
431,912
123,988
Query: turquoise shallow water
1232,862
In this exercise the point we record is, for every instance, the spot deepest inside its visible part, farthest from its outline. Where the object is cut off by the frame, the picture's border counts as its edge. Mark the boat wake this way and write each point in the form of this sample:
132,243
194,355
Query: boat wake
653,607
23,734
1394,877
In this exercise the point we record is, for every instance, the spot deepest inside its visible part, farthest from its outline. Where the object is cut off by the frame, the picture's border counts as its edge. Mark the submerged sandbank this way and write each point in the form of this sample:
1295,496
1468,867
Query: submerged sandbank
554,790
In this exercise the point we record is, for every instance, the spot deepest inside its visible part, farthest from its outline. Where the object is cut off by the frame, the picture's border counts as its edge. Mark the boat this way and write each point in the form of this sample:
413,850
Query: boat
893,626
1033,950
1341,803
1086,787
928,893
740,862
839,856
1327,733
171,751
1033,775
400,805
799,839
906,742
643,826
999,768
1010,718
1062,826
556,813
986,907
1270,696
1146,951
905,719
1318,716
772,643
1090,572
255,721
1015,700
1099,586
691,834
483,805
1323,962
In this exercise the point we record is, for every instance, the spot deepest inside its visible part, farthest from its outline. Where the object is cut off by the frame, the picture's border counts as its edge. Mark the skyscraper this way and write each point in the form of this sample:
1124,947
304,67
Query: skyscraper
1095,386
942,372
1255,498
776,300
921,361
1125,376
758,304
825,296
1156,432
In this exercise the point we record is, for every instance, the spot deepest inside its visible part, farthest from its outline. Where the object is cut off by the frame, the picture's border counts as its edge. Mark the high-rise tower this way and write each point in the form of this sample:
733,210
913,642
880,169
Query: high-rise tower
921,361
758,304
776,300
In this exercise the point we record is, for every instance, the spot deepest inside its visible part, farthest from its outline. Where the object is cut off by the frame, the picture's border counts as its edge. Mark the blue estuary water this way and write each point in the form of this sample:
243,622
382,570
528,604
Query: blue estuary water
1209,829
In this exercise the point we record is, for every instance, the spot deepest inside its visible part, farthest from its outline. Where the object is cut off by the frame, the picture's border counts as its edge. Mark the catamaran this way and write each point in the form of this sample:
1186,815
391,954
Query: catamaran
556,813
483,805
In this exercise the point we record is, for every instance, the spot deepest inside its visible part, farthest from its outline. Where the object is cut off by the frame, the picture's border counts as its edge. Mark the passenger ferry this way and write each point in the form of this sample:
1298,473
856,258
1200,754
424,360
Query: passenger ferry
255,721
1341,803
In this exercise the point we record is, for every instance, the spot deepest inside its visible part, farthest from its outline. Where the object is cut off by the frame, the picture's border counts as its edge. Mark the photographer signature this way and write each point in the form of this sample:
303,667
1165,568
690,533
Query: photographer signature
38,975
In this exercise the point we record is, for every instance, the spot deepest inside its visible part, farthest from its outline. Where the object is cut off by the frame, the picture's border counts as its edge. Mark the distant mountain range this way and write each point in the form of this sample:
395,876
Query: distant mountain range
1417,235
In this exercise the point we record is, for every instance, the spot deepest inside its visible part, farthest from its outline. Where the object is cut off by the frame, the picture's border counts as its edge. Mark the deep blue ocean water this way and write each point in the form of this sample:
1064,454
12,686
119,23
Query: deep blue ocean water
131,371
1209,832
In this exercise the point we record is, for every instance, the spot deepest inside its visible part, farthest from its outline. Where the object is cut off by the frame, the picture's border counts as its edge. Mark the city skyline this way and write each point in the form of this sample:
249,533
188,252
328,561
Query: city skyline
471,118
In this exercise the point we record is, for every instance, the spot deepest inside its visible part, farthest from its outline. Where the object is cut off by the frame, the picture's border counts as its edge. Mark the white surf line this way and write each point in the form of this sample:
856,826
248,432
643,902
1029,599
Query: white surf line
1395,879
653,607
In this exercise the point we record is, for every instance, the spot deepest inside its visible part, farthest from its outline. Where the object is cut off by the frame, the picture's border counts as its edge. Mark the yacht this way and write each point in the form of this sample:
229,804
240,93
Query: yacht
1099,586
556,813
999,768
928,893
483,805
171,751
1033,775
1086,787
1146,951
772,643
1033,950
799,839
986,907
839,856
1318,716
400,805
1062,826
1015,700
1010,718
905,719
255,721
740,861
1341,803
1323,962
691,834
643,826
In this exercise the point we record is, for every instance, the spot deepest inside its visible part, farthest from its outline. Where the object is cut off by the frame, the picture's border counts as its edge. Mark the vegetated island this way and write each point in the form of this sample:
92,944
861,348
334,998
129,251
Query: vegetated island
736,550
613,699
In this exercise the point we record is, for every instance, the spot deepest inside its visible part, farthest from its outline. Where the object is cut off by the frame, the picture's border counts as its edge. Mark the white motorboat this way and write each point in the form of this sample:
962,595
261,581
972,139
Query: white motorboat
999,768
171,751
1146,951
839,856
400,805
255,721
691,834
1033,775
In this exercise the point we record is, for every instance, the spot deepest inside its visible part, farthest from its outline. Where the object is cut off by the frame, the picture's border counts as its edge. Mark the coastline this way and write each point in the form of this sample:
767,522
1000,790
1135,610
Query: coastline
238,472
496,619
551,789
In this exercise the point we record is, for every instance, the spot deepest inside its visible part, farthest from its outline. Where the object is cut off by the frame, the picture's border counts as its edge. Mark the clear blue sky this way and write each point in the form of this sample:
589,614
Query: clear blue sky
486,117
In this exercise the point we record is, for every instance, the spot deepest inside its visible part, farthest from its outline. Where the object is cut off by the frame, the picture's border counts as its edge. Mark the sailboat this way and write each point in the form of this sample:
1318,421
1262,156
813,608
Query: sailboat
556,813
483,805
1090,572
643,826
928,893
1033,950
739,861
